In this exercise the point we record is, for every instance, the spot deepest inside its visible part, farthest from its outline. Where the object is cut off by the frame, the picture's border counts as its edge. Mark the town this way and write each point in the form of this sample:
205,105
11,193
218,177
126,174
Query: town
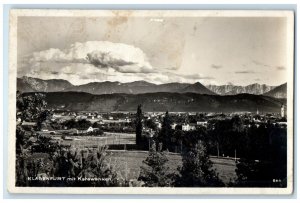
91,129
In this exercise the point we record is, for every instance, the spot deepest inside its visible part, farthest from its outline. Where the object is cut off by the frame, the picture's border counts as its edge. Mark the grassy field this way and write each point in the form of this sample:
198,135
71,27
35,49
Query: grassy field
128,164
93,141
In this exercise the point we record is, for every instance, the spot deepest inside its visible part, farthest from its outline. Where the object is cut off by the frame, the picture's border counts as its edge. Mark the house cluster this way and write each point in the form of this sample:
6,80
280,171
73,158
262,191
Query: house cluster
64,116
93,117
189,126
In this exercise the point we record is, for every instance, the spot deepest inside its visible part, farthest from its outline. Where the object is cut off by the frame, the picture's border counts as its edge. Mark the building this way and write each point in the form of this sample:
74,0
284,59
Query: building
282,111
202,123
28,125
173,126
188,127
91,129
158,124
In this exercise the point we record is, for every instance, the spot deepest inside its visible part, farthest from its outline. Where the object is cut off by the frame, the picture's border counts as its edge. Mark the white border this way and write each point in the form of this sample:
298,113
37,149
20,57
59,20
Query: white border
14,14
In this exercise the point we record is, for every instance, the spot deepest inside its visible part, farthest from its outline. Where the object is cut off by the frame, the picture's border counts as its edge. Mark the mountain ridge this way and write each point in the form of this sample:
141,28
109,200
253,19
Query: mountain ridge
231,89
29,84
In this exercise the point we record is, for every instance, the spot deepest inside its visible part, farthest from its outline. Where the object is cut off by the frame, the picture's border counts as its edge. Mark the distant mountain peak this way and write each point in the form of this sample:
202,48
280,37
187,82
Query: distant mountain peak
254,88
197,88
199,84
278,92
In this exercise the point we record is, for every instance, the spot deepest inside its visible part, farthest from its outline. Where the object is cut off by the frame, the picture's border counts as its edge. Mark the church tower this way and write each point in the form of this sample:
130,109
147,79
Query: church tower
282,111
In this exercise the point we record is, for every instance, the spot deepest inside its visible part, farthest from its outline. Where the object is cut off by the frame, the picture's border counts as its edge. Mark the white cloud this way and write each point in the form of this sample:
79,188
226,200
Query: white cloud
102,54
97,61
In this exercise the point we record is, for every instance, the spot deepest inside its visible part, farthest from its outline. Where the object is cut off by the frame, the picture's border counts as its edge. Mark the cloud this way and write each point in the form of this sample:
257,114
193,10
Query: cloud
102,54
215,66
54,72
280,68
98,61
196,77
260,63
245,72
121,64
169,77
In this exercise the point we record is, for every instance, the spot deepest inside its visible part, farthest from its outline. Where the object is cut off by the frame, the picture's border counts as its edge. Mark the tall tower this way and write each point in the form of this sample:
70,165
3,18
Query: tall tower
282,111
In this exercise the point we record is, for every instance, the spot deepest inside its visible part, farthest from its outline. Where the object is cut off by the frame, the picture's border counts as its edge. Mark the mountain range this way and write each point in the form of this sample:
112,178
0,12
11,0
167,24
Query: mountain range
29,84
234,89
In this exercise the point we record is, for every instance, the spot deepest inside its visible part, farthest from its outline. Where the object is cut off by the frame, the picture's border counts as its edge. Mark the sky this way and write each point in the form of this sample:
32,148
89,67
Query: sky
210,50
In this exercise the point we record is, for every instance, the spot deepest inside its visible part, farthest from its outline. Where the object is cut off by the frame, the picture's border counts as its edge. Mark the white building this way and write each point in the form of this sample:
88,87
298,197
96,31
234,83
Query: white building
282,111
158,124
91,129
188,127
202,123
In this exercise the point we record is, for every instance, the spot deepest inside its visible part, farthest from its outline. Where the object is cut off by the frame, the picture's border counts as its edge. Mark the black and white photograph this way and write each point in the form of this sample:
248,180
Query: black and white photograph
151,102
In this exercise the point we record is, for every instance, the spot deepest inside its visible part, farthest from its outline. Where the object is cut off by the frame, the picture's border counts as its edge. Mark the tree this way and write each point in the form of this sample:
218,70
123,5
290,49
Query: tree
155,172
80,124
150,124
85,164
21,139
166,132
31,107
46,145
94,164
83,124
196,170
265,158
139,125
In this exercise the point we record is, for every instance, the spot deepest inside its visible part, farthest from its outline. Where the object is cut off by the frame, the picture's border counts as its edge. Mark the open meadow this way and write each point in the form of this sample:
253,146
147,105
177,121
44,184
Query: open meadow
88,141
128,164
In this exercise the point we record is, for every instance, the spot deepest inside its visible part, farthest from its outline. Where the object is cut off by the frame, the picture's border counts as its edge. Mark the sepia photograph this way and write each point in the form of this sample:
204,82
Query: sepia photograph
151,101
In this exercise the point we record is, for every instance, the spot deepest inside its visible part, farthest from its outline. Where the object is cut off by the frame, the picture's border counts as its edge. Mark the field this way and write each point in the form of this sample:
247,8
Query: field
128,164
93,141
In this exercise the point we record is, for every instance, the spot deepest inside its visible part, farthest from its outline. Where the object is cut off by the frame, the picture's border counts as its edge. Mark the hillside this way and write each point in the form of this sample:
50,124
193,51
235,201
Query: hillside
29,84
177,102
278,92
